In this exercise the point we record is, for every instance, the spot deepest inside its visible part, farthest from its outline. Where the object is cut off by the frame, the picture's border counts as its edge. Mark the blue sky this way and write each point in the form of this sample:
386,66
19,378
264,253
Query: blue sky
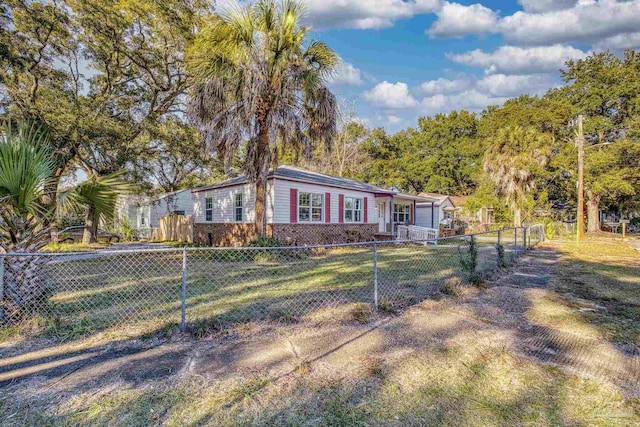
403,59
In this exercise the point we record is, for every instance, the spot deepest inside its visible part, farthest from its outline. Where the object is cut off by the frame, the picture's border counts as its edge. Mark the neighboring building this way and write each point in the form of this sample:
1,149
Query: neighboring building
143,213
447,213
302,207
440,211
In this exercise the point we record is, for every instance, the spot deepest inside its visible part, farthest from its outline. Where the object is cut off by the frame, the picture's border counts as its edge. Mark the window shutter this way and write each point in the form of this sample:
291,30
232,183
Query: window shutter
366,210
327,207
341,208
293,205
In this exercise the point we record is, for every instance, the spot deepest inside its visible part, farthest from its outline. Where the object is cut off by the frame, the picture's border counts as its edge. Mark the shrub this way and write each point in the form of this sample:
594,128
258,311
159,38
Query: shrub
387,307
469,261
451,287
361,312
266,242
549,230
275,255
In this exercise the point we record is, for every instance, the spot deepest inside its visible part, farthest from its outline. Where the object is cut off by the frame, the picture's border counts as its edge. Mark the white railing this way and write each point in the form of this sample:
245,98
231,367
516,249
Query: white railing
414,232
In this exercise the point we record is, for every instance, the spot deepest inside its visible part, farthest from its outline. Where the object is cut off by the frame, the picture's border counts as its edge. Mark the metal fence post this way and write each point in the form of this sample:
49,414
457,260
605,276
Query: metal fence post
524,239
183,317
515,241
375,275
499,244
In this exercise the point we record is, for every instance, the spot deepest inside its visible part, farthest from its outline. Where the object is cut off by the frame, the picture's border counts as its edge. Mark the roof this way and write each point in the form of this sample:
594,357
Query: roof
294,173
419,199
436,197
456,201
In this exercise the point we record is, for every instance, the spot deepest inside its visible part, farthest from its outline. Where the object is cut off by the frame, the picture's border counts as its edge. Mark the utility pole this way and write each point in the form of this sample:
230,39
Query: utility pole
580,145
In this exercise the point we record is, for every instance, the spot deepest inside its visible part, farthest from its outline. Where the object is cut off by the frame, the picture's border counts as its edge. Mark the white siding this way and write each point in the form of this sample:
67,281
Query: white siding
180,201
423,213
282,201
223,203
423,216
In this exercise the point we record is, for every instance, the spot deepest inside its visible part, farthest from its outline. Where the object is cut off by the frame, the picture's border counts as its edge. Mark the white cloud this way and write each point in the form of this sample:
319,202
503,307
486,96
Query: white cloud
393,119
518,60
462,93
501,85
365,14
347,75
540,6
393,96
471,100
586,21
468,93
619,42
456,20
542,22
442,85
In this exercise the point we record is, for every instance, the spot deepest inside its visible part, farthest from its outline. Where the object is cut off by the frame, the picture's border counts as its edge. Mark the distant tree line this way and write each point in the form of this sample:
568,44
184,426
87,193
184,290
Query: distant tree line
520,157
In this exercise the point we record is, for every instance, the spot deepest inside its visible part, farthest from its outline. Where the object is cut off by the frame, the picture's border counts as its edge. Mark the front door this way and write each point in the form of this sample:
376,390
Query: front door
382,214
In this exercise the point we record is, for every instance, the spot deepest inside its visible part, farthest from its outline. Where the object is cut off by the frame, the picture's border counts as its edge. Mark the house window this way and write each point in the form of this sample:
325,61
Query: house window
178,212
352,209
238,207
310,207
208,209
401,214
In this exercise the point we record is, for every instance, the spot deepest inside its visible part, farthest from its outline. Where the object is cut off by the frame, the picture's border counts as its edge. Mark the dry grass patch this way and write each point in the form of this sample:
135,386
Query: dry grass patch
599,282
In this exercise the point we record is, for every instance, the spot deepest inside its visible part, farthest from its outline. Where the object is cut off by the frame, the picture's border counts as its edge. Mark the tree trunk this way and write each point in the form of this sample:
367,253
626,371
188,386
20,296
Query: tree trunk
90,234
517,217
25,287
262,166
593,212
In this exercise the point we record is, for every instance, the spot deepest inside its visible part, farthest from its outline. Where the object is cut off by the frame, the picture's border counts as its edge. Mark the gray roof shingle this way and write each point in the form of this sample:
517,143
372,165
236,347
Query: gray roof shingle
299,174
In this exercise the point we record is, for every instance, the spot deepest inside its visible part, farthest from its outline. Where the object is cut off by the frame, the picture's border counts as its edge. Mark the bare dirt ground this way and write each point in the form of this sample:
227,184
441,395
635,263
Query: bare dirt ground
509,342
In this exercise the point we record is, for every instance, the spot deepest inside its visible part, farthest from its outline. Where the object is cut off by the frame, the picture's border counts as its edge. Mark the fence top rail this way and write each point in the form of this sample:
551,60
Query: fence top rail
104,253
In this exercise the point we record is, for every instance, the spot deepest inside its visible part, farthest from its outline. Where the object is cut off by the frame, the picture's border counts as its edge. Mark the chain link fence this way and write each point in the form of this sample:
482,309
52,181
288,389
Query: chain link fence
146,291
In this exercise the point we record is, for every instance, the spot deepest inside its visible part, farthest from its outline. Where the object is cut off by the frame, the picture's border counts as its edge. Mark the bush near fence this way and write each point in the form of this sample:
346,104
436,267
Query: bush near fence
145,291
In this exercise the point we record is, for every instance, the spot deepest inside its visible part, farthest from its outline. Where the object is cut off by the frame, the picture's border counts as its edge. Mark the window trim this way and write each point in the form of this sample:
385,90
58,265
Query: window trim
236,207
353,210
406,213
310,207
208,209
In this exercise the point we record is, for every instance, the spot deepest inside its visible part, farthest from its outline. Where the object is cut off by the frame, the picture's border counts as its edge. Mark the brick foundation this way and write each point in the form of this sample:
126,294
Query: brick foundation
218,234
232,234
321,234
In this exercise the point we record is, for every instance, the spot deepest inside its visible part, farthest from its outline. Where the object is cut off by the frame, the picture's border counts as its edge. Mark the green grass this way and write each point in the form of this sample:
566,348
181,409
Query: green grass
75,247
139,293
601,279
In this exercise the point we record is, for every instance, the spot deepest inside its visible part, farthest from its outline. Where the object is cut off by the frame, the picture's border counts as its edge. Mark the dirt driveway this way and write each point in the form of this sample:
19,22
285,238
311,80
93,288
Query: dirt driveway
464,348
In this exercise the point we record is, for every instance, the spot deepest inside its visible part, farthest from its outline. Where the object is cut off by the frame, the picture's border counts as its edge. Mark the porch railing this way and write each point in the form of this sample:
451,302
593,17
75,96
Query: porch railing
414,232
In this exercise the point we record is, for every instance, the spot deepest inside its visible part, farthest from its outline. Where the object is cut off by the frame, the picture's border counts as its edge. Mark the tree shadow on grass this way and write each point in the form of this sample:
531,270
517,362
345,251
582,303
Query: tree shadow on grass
560,326
116,292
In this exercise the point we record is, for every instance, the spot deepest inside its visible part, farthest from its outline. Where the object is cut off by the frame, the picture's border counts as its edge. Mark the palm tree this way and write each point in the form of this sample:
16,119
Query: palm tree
514,159
98,197
258,82
27,170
